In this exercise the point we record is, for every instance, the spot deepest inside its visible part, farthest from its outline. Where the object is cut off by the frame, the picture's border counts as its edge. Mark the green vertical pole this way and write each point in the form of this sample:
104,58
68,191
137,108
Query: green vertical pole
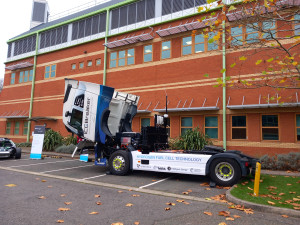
105,48
224,83
32,86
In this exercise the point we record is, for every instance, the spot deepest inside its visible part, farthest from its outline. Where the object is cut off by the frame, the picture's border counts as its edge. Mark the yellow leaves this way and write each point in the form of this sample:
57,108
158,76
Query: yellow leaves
236,216
135,195
11,185
117,223
231,8
230,218
271,203
179,200
242,58
185,193
285,216
258,62
170,203
167,209
288,184
97,196
233,65
129,204
93,213
63,209
222,223
68,203
296,199
280,194
120,191
208,213
60,221
224,213
136,223
270,60
98,203
42,197
44,181
63,195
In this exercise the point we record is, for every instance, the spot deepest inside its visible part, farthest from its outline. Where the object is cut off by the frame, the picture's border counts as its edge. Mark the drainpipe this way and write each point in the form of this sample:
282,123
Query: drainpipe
224,82
32,86
105,48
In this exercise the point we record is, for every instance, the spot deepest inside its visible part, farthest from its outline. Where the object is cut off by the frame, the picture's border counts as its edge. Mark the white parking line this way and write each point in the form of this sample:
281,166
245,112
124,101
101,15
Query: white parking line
41,163
87,178
155,182
13,160
65,169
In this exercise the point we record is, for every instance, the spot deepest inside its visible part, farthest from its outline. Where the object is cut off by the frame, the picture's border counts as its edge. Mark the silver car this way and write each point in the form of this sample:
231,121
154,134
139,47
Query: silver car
8,149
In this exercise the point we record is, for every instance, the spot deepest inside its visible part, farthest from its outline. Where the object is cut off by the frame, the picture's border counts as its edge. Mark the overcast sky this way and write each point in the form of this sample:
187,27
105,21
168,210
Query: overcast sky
15,18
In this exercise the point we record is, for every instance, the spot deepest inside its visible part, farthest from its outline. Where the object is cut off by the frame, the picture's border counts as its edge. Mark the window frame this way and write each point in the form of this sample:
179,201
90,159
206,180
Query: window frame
8,127
125,58
89,63
96,62
81,65
73,66
146,117
296,127
205,127
296,25
17,128
25,127
261,126
162,50
13,78
246,127
50,71
145,54
187,127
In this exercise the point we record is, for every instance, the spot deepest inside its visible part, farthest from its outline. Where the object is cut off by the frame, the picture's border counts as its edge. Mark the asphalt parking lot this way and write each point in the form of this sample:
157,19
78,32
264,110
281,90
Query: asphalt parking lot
67,168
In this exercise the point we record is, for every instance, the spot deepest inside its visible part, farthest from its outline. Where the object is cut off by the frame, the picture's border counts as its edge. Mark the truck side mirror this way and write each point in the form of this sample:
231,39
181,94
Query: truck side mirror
68,114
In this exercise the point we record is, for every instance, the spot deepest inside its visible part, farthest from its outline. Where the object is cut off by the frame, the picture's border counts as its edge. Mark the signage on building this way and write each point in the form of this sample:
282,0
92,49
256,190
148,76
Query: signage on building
37,142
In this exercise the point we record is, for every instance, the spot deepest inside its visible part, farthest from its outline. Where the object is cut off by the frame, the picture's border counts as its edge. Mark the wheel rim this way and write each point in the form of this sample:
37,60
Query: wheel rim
119,163
224,171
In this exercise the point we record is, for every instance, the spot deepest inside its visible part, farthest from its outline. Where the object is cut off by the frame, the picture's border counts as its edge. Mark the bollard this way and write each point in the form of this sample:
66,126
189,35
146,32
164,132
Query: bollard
257,179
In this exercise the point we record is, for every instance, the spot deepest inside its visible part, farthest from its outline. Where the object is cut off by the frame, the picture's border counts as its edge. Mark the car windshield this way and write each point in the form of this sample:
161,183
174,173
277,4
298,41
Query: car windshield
5,144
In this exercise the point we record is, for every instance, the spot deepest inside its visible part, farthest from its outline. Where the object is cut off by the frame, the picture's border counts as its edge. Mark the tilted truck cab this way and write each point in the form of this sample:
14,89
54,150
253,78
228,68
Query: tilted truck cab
103,117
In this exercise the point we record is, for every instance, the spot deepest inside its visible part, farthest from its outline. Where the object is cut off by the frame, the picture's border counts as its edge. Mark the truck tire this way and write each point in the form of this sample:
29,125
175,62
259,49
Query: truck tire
225,172
18,153
119,163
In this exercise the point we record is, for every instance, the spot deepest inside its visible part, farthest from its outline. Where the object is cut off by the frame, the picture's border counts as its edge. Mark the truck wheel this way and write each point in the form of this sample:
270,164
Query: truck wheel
18,153
225,172
119,163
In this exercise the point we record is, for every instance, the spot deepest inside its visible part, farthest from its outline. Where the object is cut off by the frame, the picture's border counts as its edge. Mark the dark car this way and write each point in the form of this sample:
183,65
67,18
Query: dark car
8,149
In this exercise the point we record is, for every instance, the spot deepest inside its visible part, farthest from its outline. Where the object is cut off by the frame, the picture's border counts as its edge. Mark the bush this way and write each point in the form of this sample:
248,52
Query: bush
190,140
52,140
23,144
289,161
65,149
69,140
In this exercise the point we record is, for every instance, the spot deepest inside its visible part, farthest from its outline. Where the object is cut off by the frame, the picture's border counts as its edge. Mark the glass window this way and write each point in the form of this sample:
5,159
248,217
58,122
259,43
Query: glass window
187,45
21,77
148,53
145,122
30,75
166,50
50,71
17,128
25,129
298,127
297,24
90,63
76,119
113,60
211,126
53,70
252,33
8,127
199,43
239,130
98,62
269,27
270,129
73,66
130,56
81,65
237,35
26,76
12,78
186,124
121,58
212,44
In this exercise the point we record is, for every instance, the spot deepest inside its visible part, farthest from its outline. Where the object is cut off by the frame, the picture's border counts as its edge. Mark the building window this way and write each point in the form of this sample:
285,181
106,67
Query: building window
237,36
239,127
211,126
50,71
81,65
25,128
25,76
30,75
12,78
8,127
252,33
145,122
89,63
17,128
148,53
98,62
166,50
269,129
21,77
298,127
187,45
73,66
297,24
199,43
212,43
186,124
270,29
122,58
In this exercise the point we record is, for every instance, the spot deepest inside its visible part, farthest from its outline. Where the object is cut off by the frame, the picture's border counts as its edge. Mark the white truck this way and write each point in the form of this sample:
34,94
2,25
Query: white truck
102,117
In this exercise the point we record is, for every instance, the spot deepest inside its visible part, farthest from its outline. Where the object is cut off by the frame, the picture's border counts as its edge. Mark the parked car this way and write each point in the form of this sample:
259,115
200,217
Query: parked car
8,149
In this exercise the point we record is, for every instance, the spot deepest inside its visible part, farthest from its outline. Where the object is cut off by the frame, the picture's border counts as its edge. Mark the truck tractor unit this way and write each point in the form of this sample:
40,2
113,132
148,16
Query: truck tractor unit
102,117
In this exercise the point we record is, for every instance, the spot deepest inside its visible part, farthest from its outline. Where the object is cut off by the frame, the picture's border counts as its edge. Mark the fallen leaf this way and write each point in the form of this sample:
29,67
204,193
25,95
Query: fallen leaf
50,186
208,189
292,192
250,188
296,199
10,185
179,200
129,204
135,195
68,203
93,213
136,223
189,190
226,188
37,178
98,203
230,218
224,213
63,209
271,187
170,203
208,213
60,221
42,197
248,211
120,191
117,223
208,199
204,184
285,216
97,196
222,223
186,203
185,193
271,203
236,216
297,208
280,194
154,180
44,181
273,193
288,184
166,209
129,189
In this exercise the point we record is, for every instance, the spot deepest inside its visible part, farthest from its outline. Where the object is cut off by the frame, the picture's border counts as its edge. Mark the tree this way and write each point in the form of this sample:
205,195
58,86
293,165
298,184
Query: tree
267,31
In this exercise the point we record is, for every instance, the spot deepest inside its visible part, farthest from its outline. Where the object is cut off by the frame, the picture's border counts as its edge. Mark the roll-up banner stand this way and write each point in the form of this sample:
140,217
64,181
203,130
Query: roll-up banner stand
37,142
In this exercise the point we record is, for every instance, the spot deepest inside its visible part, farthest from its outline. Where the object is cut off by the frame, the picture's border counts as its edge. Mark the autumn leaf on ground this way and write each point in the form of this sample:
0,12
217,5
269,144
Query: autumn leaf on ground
208,213
222,223
10,185
63,195
170,203
224,213
208,189
136,223
280,194
37,178
179,200
42,197
204,184
226,188
250,188
189,190
50,186
166,209
154,180
288,184
296,199
208,199
63,209
68,203
97,196
44,181
230,218
236,216
120,191
98,203
93,213
117,223
135,195
292,192
297,208
271,203
60,221
185,193
248,211
285,216
186,203
271,187
129,204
